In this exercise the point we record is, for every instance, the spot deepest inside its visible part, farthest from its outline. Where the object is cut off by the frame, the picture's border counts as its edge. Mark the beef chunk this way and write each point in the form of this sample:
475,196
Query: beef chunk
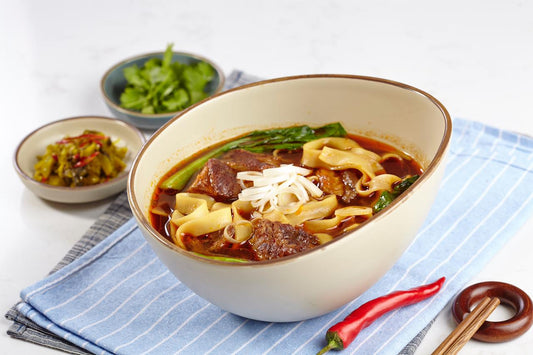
217,180
243,160
330,182
339,183
208,244
215,244
272,240
349,179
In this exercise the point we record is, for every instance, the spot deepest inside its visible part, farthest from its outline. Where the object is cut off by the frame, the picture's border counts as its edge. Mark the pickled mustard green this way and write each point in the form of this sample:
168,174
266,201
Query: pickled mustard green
88,159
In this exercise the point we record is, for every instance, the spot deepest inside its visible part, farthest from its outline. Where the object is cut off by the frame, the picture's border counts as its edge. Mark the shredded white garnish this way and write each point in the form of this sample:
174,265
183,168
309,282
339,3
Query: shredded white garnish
284,188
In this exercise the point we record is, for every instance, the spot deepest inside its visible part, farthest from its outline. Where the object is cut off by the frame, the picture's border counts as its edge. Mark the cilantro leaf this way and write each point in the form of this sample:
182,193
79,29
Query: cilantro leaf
134,76
133,98
196,78
177,101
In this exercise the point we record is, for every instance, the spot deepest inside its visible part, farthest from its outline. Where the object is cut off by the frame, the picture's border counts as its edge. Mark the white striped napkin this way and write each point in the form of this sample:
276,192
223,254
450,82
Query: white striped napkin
118,298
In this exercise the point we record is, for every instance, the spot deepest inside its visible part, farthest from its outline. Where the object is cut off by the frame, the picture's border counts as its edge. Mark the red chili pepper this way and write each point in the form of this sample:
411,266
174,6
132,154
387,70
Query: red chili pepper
89,136
343,333
86,160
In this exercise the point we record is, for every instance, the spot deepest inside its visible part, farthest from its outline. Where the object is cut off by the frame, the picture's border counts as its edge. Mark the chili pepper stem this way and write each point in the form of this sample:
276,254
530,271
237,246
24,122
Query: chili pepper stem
331,345
334,343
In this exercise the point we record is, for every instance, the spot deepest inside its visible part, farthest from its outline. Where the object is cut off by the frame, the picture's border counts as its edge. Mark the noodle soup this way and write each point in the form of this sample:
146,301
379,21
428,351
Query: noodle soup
279,196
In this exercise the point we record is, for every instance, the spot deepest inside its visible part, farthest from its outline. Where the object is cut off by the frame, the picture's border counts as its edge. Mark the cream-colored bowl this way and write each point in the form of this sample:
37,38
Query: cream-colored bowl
35,143
312,283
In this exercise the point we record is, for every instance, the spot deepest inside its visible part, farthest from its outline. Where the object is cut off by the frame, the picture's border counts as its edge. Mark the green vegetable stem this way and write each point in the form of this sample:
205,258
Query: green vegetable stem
222,258
164,86
257,141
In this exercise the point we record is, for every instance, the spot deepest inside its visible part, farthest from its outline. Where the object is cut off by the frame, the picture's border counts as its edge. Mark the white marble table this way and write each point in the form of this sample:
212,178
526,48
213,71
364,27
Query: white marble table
476,57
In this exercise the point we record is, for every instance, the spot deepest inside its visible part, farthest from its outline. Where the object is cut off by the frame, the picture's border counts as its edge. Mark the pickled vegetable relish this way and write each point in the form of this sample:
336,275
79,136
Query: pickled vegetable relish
88,159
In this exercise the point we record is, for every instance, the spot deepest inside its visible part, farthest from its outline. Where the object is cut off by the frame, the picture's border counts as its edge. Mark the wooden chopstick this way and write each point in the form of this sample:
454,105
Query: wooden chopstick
467,328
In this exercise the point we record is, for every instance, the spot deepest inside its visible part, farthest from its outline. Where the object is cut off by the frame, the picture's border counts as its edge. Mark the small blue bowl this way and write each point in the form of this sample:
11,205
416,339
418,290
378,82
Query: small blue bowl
113,84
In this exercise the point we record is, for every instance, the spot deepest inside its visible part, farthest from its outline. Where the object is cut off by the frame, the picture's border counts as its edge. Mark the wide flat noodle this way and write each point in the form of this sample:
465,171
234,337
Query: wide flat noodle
209,223
197,214
190,206
312,149
314,210
341,160
322,225
378,183
336,153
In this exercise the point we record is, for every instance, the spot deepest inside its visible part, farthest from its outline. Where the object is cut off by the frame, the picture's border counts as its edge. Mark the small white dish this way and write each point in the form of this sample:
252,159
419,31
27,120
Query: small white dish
35,144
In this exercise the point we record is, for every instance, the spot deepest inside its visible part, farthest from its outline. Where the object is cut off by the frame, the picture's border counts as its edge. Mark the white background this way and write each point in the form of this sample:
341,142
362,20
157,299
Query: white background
476,57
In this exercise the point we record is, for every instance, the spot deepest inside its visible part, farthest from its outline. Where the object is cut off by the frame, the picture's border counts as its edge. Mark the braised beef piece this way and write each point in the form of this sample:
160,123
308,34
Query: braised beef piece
339,183
330,182
206,244
272,240
243,160
218,180
349,179
215,244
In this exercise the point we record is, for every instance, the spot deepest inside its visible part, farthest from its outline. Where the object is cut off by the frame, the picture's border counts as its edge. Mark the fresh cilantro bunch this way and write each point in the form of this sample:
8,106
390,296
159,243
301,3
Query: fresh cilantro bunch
162,86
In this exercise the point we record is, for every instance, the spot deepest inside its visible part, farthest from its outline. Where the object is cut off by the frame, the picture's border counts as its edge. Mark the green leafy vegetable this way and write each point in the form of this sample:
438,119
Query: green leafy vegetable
404,184
257,141
384,200
164,86
387,197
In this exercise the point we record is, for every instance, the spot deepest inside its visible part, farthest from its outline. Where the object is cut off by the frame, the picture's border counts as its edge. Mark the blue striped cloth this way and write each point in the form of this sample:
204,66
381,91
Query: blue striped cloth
118,297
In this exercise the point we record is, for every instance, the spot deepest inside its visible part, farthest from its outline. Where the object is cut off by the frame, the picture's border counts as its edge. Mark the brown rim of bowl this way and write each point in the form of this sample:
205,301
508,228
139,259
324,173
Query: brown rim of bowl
25,176
429,171
159,115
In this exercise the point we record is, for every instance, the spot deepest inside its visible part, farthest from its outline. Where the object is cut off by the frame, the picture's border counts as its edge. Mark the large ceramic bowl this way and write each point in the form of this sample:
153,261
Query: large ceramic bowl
113,84
320,280
35,143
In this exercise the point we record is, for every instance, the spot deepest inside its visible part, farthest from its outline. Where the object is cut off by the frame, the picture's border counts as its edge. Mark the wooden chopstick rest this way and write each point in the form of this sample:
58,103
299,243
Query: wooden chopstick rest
474,324
495,332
